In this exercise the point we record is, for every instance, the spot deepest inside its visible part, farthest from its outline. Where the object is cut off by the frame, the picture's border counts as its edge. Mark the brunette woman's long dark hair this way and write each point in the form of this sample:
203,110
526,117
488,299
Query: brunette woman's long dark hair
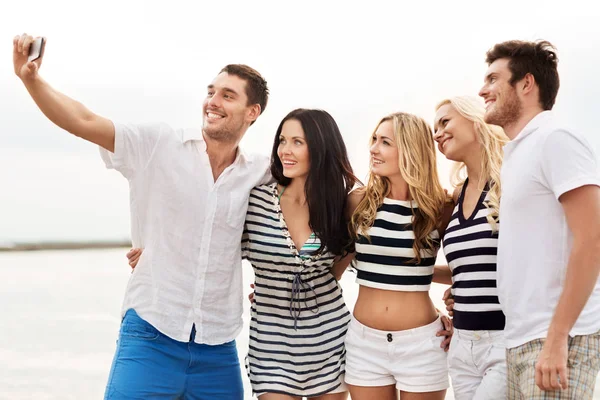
330,178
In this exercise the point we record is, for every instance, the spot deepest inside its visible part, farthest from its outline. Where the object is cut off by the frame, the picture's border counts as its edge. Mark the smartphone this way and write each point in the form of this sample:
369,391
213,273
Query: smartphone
36,49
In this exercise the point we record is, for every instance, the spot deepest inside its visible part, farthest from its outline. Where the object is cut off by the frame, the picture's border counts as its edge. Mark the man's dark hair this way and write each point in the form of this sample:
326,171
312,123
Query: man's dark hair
256,86
536,58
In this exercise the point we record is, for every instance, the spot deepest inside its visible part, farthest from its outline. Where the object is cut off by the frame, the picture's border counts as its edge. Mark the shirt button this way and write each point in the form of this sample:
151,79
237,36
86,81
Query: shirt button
389,337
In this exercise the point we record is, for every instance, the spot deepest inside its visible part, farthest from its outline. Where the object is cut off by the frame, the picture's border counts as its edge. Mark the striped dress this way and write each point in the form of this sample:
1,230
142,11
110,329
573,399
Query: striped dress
385,259
470,247
298,317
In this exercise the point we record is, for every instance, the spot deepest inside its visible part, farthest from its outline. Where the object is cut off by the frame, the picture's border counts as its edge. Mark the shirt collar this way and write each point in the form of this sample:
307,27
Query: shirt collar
537,121
194,134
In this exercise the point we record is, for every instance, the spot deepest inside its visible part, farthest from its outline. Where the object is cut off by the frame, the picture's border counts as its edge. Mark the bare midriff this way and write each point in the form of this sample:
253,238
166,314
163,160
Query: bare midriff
389,310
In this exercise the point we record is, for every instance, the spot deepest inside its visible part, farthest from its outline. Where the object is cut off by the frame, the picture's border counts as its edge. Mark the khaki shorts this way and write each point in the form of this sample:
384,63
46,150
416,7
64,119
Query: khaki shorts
583,364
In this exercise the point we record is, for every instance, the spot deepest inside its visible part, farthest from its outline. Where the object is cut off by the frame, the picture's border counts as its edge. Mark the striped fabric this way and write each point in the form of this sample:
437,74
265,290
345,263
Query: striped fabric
298,318
470,247
385,260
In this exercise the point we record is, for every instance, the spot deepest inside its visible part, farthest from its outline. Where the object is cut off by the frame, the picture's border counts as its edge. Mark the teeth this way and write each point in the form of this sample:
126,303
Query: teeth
289,163
212,115
377,161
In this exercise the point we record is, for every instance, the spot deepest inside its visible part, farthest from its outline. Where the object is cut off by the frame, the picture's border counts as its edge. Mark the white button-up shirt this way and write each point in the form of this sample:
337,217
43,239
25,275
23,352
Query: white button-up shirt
190,227
542,163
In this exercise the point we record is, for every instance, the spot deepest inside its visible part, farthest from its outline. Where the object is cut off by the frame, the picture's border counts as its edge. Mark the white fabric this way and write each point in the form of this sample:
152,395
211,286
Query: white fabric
477,365
544,161
190,228
413,360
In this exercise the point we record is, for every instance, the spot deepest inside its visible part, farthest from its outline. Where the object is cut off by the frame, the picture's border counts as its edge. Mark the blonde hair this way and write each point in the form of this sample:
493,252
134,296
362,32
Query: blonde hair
417,162
492,140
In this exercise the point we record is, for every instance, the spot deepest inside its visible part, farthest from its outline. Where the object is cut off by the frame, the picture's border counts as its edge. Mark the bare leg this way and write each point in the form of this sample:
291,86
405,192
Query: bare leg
277,396
374,392
439,395
334,396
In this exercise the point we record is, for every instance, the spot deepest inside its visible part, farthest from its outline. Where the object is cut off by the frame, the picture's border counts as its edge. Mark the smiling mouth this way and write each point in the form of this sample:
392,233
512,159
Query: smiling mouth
443,144
288,163
376,161
211,116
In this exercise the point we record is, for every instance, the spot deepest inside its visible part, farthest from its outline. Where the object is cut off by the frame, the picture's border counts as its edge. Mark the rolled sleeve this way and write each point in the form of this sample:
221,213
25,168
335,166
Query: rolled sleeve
569,162
134,147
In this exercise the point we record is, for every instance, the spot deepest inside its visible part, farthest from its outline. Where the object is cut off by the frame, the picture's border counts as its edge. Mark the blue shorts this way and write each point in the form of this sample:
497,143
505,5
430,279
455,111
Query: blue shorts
150,365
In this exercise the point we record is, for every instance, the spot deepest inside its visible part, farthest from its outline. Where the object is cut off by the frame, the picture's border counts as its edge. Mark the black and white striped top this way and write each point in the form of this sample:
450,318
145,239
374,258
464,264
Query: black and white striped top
470,247
386,259
298,317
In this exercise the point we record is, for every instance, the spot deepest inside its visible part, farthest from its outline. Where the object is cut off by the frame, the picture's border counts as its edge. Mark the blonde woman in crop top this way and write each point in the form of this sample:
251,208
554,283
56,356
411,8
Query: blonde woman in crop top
392,347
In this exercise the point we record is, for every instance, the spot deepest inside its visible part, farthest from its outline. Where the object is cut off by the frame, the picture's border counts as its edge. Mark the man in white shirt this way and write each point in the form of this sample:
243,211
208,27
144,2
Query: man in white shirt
549,245
189,193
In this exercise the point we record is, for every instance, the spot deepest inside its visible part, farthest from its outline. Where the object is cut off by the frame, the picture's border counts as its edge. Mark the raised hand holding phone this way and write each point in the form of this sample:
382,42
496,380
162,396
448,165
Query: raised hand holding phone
28,53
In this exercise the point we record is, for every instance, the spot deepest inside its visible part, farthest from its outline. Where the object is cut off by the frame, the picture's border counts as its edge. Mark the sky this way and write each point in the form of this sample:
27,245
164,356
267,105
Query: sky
149,61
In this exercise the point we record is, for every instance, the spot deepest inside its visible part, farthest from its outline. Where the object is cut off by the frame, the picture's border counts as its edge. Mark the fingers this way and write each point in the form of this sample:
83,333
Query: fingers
133,256
134,260
134,252
447,294
20,40
563,373
554,379
23,43
446,343
450,307
549,378
546,378
446,322
539,376
449,301
31,68
447,332
27,44
251,295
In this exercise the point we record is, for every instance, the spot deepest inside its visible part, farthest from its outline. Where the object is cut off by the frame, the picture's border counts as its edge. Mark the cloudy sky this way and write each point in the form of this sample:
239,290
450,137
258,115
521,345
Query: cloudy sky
141,61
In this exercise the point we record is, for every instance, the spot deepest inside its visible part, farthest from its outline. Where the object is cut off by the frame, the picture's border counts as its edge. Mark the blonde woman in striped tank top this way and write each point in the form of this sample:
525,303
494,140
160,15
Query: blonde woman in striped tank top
393,344
476,360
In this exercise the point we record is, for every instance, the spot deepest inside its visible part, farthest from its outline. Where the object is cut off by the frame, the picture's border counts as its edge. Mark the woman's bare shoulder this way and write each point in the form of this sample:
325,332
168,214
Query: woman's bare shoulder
354,199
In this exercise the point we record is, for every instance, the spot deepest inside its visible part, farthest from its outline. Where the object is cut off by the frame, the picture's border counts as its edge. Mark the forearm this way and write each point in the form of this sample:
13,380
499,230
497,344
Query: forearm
581,277
442,274
70,114
340,266
59,108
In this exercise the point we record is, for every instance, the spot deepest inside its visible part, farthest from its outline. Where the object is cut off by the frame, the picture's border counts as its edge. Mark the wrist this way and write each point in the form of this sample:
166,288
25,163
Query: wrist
29,79
557,333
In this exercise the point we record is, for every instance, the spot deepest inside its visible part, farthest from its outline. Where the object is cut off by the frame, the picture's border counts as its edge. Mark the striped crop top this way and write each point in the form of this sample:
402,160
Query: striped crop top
470,246
386,260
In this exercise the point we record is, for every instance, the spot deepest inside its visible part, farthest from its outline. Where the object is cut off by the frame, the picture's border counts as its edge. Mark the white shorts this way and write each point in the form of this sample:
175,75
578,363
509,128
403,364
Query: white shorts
411,359
477,363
